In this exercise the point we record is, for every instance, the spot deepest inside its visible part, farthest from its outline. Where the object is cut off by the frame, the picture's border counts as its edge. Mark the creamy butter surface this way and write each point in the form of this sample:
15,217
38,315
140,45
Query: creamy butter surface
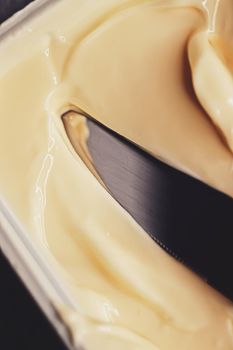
160,73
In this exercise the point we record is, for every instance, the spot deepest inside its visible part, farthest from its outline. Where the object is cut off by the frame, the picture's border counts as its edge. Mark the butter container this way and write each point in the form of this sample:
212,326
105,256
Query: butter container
115,287
15,243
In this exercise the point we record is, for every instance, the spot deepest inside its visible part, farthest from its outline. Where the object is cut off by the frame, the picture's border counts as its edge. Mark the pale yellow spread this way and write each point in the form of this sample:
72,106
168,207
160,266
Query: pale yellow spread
128,64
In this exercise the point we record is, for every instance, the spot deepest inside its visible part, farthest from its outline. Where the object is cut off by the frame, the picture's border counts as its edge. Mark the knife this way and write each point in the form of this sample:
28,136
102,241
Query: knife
190,220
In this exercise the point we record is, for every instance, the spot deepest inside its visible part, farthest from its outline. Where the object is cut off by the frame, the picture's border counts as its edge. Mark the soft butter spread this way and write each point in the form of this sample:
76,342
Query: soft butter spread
160,72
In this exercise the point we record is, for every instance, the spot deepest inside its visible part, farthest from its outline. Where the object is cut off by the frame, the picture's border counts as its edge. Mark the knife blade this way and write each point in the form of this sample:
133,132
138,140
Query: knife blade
190,220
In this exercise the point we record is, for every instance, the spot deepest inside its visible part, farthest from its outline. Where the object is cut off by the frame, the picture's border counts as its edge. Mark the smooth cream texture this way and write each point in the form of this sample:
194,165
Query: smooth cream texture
127,64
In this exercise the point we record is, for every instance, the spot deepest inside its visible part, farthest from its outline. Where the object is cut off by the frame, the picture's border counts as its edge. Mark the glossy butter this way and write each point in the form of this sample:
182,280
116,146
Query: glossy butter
126,63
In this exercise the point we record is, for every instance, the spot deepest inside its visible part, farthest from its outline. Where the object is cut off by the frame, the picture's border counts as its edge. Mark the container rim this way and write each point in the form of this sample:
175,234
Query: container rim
27,13
15,243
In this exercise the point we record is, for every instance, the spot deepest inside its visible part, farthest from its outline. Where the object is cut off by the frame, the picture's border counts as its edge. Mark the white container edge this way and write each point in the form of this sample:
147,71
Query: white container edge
14,241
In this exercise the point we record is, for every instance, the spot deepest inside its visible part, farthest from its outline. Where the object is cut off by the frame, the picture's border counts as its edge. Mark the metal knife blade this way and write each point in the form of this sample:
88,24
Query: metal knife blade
190,220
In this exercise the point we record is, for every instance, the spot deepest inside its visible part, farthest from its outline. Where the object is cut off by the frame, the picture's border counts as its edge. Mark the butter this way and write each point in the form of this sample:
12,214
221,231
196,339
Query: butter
159,73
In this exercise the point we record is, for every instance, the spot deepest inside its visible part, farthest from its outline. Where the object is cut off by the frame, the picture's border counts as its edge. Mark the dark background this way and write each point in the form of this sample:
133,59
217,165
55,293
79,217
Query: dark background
22,324
8,7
